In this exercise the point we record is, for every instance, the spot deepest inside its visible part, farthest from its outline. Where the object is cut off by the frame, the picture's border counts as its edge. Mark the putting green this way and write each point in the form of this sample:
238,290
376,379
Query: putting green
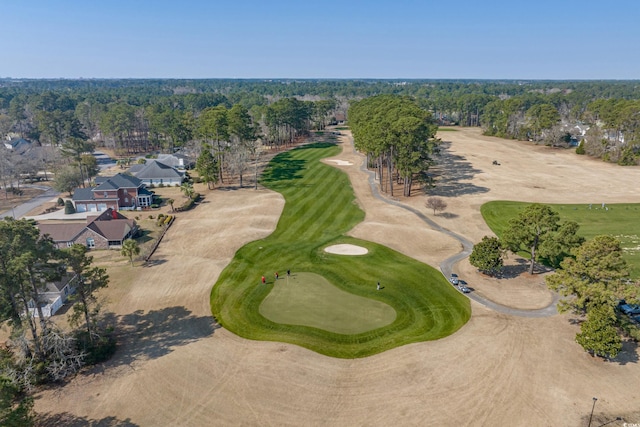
309,299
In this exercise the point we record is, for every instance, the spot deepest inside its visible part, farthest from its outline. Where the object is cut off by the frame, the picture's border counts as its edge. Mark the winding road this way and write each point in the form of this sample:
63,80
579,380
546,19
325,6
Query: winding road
446,266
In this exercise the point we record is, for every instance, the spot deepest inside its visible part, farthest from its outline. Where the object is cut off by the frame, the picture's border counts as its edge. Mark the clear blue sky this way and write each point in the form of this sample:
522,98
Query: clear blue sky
560,39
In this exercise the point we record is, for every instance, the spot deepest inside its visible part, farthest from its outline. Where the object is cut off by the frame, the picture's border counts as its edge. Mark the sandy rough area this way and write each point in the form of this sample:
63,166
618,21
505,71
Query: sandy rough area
346,249
176,368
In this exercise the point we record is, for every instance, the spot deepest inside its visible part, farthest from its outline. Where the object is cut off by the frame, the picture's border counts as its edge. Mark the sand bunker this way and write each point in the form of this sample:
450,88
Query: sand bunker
346,249
341,162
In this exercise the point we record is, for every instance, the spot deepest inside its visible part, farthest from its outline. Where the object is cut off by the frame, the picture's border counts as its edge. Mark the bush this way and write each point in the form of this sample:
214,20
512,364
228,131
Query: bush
150,186
154,206
99,351
160,220
580,149
60,201
69,208
161,185
150,216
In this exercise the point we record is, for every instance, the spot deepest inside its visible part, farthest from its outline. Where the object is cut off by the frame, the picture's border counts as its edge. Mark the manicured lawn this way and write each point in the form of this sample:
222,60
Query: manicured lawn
309,299
320,208
619,220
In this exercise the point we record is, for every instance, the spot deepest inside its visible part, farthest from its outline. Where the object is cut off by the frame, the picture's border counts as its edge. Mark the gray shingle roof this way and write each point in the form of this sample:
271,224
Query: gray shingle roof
82,194
120,180
157,170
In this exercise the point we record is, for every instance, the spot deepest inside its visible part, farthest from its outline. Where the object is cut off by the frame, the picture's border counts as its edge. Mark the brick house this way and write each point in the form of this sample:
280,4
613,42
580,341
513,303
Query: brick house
119,192
105,231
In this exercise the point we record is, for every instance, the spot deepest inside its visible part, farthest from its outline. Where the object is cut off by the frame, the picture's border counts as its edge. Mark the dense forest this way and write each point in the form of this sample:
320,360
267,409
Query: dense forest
234,119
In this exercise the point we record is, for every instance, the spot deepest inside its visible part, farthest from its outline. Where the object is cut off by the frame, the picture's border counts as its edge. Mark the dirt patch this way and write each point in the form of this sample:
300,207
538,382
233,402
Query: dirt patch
177,368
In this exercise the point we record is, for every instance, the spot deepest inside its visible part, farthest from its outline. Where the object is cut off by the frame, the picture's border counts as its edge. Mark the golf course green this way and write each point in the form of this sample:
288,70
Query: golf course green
309,299
336,309
619,220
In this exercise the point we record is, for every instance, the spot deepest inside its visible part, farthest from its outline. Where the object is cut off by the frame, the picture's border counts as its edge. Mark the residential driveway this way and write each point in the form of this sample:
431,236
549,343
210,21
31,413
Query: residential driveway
21,210
104,161
59,214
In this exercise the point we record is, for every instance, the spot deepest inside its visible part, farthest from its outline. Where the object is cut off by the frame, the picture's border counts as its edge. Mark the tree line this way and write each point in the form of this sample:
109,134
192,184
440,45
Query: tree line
398,138
136,116
70,125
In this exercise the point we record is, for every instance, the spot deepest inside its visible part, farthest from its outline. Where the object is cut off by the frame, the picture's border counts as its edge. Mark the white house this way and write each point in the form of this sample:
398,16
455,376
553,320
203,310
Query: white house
155,172
54,297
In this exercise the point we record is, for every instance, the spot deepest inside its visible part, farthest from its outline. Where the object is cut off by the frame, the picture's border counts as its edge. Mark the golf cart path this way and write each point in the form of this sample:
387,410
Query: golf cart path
446,266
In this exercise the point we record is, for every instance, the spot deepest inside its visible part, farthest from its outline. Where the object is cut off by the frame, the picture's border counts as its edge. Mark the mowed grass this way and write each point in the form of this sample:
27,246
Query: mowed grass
309,299
320,208
621,220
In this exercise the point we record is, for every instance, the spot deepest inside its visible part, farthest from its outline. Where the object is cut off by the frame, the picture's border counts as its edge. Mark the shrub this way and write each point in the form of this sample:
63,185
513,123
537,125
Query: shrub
161,185
60,201
99,350
150,216
69,208
154,206
150,186
580,149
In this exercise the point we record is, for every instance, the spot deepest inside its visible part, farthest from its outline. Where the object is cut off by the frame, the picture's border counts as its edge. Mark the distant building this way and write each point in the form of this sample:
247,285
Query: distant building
154,172
17,144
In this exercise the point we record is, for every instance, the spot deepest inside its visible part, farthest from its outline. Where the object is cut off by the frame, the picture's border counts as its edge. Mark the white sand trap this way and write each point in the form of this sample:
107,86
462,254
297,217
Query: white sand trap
346,249
340,162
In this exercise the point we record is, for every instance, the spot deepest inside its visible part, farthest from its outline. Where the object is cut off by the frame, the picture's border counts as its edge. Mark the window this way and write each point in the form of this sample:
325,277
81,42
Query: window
105,195
69,244
90,242
126,200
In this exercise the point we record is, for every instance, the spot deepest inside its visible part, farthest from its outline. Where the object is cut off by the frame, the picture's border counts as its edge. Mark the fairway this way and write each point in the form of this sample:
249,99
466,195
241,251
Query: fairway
350,317
310,300
620,220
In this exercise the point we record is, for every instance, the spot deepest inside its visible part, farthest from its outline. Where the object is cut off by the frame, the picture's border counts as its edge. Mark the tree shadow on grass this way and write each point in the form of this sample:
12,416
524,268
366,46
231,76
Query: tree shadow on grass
522,267
453,170
448,215
143,336
628,354
69,420
144,236
153,262
283,168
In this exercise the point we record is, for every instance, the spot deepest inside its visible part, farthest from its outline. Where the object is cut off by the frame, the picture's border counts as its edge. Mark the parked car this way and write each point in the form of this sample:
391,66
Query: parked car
464,289
454,279
630,309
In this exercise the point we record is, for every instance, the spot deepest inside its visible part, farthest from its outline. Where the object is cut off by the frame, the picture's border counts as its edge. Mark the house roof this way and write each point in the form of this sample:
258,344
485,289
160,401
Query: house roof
120,180
82,194
176,160
62,232
157,170
58,285
115,229
110,224
136,168
17,143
